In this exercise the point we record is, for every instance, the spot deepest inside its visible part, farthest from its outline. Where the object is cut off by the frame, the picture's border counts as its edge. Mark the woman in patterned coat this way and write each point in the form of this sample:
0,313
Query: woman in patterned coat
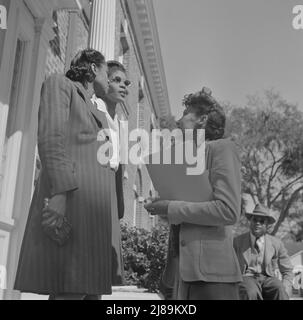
77,186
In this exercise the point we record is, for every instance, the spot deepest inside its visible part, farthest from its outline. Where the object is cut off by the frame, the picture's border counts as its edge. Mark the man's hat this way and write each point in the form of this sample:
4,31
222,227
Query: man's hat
261,211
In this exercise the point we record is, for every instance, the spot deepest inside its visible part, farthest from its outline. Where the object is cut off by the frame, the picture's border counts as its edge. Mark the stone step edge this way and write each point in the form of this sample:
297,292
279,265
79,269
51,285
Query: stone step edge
130,289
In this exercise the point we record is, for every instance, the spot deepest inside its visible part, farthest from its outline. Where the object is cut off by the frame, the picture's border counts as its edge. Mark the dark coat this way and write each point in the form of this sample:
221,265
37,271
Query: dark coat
67,141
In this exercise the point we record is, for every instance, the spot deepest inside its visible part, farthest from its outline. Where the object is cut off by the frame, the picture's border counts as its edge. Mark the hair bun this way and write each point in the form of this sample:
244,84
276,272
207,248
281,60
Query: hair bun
80,67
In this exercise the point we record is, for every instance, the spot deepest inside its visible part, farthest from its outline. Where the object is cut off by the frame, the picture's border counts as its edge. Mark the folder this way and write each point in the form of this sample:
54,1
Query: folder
172,182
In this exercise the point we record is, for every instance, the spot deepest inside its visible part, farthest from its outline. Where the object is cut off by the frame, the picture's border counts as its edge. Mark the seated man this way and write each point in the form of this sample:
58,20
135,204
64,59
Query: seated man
260,254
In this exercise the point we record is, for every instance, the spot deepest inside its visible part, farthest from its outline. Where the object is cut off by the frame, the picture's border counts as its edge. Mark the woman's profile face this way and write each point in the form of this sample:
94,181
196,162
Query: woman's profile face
117,91
101,81
190,119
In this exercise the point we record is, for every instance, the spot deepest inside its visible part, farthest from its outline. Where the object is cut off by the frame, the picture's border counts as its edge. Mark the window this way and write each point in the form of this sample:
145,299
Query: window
141,107
55,43
124,47
138,188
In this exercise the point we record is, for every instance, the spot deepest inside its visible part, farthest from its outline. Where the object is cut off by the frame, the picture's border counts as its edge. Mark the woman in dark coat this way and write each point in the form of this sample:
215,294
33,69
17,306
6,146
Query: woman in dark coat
77,186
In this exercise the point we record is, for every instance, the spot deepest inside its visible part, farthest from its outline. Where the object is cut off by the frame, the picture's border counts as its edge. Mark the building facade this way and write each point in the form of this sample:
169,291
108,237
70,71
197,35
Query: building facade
41,38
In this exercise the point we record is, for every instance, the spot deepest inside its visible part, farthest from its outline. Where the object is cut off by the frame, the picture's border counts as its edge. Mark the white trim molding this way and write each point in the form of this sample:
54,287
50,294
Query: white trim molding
142,17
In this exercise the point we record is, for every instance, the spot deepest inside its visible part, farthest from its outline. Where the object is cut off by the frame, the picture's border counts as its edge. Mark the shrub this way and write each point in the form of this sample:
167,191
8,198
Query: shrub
144,254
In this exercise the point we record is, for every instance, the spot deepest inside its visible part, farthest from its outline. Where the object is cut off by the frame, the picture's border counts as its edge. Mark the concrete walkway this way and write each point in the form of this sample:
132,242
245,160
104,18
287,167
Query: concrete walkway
124,293
119,293
132,293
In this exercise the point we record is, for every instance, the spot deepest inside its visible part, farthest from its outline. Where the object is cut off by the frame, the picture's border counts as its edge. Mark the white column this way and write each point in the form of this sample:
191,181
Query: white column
103,27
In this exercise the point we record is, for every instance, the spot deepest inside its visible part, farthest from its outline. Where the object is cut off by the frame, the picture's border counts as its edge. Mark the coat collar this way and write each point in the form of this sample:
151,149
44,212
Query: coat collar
99,116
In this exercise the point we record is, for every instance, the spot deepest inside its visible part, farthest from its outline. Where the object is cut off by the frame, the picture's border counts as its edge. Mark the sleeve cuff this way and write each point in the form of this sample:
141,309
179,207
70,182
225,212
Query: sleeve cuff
64,183
173,216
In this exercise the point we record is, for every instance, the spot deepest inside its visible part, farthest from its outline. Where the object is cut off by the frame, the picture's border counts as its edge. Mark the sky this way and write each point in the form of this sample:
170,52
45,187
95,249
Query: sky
234,47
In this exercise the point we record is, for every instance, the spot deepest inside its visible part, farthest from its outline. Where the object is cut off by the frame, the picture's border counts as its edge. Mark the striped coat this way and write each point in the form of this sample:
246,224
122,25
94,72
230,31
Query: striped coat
67,143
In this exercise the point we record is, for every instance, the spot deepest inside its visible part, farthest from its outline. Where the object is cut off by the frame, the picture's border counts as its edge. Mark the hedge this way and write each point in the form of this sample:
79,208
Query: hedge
144,255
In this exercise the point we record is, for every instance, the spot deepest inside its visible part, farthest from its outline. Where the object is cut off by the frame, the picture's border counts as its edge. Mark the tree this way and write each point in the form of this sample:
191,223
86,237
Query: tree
294,222
269,133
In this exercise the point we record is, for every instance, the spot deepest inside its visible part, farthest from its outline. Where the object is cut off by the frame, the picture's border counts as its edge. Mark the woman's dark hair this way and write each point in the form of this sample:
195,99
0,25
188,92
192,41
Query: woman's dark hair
80,68
114,66
204,104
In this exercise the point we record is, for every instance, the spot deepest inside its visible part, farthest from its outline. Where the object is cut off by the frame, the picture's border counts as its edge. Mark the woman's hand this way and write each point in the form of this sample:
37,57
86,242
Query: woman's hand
150,200
54,211
156,206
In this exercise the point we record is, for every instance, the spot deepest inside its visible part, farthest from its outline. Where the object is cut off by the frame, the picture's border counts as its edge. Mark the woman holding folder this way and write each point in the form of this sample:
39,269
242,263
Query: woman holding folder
201,254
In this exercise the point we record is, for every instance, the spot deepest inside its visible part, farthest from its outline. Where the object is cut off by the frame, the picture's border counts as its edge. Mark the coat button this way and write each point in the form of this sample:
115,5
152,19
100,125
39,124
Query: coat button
183,243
